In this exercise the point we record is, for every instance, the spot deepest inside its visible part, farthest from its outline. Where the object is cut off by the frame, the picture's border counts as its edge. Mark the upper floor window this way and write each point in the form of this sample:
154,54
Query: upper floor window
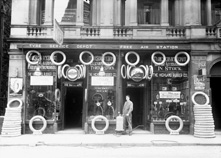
65,11
215,12
148,11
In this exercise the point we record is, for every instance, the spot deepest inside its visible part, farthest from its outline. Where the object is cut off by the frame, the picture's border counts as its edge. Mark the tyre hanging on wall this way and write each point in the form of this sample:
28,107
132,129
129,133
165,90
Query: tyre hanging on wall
182,64
9,104
127,60
158,63
52,56
31,55
82,61
123,71
103,59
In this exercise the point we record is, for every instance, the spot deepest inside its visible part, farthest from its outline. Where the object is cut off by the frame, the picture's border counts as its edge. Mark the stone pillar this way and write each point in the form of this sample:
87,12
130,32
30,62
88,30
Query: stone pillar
48,12
117,12
177,12
119,85
208,12
164,13
80,13
132,12
33,12
127,13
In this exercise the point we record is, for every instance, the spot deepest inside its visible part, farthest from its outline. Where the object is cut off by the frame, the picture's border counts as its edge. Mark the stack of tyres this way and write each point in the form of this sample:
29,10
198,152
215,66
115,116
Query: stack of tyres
204,123
12,121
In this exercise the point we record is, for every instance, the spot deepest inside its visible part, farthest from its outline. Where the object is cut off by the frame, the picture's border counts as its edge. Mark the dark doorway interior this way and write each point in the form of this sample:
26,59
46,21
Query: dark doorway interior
136,96
216,101
73,108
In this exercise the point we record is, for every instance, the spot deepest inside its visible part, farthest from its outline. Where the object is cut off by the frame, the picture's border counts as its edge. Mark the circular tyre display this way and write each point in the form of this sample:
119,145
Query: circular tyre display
81,56
153,58
12,102
30,55
202,98
58,52
168,127
103,59
95,119
39,131
182,64
127,60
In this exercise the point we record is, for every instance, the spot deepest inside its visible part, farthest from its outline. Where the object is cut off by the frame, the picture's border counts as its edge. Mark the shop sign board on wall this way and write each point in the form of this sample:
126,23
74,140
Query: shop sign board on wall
169,94
16,86
41,81
102,81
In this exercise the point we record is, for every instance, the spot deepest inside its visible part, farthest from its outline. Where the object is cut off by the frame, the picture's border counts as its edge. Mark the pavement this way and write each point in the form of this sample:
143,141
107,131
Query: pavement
136,139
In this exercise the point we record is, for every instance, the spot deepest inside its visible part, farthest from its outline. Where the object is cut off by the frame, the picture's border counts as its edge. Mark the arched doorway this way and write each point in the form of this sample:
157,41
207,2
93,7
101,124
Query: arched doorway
215,79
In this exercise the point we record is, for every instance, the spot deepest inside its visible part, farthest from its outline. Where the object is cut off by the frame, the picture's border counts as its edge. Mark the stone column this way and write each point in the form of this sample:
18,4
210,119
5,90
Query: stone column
192,13
80,13
19,17
117,12
127,11
177,13
132,12
48,12
208,12
33,12
164,13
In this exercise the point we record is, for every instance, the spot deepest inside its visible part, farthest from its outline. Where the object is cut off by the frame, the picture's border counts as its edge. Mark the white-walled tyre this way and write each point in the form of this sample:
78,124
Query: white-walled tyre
63,70
103,59
200,93
95,119
128,62
57,94
171,130
29,55
52,57
15,100
37,131
177,61
153,58
83,62
123,71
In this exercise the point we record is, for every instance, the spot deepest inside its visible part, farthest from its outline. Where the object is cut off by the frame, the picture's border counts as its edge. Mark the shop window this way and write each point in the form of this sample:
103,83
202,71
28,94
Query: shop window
41,83
170,90
37,12
102,90
148,11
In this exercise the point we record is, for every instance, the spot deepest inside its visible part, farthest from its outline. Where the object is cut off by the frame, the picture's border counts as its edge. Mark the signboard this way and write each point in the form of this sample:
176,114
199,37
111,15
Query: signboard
41,81
169,94
137,74
107,46
102,81
58,35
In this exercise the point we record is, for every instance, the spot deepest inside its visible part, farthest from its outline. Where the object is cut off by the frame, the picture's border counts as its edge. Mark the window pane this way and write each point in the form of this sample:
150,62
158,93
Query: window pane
65,11
216,11
148,12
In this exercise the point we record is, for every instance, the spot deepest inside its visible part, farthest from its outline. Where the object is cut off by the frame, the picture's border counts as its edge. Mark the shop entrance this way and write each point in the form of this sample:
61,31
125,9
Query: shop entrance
137,97
216,101
73,106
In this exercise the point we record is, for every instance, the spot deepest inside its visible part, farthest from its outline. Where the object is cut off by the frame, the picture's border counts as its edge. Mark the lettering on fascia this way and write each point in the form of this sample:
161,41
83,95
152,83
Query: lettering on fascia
57,46
84,46
144,47
35,45
125,46
166,47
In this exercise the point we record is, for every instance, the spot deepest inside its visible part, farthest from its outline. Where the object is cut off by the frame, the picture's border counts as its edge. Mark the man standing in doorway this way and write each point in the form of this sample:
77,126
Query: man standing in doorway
127,114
